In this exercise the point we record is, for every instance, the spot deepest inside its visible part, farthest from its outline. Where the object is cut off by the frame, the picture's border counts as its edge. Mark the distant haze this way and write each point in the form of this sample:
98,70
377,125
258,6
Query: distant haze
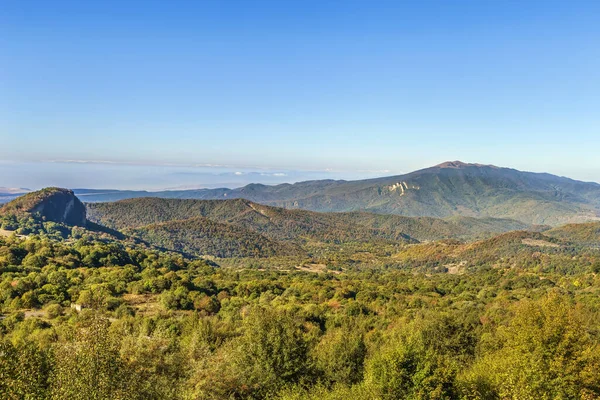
36,175
89,175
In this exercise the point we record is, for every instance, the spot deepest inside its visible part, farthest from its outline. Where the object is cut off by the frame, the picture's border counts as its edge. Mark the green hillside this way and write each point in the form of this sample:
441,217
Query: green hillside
275,223
200,236
241,228
519,250
429,228
297,226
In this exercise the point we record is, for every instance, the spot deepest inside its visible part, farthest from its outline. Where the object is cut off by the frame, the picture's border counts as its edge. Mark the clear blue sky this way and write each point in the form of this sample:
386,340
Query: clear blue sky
351,87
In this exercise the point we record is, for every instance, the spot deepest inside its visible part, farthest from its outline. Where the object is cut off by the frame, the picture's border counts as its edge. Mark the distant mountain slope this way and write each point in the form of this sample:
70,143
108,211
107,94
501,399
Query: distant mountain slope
241,228
587,234
279,224
519,249
295,225
448,189
55,212
201,236
429,228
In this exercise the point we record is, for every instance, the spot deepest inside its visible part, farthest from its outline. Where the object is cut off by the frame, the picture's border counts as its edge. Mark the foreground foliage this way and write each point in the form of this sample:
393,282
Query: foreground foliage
516,322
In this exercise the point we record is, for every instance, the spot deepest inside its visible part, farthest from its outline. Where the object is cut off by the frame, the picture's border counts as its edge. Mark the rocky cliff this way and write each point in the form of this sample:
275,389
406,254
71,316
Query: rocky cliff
50,204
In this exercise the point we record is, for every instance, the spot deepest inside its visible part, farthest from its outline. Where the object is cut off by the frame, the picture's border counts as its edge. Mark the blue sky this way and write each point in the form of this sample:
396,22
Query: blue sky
121,90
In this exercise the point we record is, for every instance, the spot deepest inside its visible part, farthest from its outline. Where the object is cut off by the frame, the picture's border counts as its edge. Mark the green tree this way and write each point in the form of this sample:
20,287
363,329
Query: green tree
421,361
272,351
24,370
89,367
340,355
544,352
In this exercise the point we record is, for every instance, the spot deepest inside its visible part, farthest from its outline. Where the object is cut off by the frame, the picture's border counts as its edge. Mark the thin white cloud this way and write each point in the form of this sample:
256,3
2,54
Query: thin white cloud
223,166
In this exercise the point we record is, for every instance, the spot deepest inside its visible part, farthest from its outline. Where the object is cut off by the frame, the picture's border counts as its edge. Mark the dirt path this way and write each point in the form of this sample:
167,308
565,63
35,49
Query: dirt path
5,233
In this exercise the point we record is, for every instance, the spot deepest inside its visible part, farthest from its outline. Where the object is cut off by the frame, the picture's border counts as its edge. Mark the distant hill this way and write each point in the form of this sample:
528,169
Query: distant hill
297,226
430,229
50,204
587,234
201,236
519,249
293,226
445,190
242,228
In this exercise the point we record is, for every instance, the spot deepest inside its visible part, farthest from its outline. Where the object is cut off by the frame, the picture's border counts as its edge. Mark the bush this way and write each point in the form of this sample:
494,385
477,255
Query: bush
54,311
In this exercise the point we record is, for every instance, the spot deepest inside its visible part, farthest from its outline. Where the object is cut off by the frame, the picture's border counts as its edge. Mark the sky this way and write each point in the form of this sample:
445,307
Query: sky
170,94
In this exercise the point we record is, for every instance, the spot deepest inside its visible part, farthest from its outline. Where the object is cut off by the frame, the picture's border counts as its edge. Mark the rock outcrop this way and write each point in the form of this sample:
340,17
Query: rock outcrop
49,204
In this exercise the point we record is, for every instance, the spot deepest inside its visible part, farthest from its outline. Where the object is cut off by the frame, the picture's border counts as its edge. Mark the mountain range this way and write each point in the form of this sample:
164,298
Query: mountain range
232,228
242,228
445,190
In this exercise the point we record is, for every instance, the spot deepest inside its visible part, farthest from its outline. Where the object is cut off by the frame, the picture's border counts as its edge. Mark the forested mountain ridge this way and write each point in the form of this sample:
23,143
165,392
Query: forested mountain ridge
241,228
284,224
448,189
200,236
213,226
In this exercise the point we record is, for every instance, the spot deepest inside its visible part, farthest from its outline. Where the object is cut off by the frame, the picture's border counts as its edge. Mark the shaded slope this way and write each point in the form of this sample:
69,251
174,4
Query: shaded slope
50,204
199,236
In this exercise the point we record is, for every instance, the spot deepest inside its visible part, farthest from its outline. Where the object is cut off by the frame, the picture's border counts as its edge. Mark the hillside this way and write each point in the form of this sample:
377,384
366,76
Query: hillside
54,212
200,236
587,234
431,229
184,221
295,225
445,190
239,227
50,204
518,249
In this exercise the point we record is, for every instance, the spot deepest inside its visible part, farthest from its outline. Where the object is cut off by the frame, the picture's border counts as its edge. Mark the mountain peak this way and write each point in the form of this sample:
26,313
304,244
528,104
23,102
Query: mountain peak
459,164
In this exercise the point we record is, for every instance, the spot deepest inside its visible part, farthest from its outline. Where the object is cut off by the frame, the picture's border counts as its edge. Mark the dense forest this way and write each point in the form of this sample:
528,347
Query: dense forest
207,227
89,314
